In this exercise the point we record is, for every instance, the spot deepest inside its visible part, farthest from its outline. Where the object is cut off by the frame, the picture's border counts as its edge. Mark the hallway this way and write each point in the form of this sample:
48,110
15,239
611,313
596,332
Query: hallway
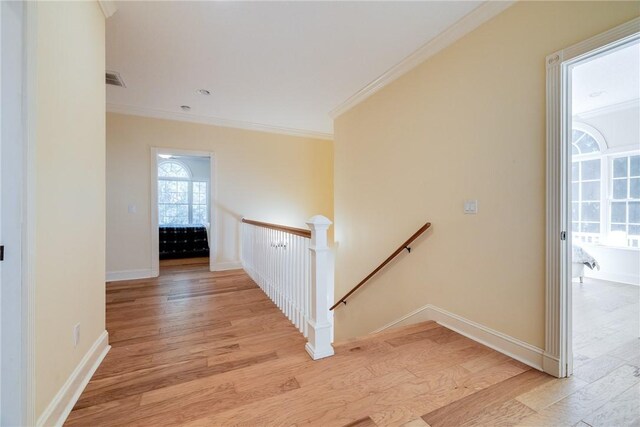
199,348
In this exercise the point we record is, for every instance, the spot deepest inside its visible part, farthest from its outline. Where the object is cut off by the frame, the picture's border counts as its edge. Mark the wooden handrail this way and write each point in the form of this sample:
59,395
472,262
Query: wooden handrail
297,231
402,247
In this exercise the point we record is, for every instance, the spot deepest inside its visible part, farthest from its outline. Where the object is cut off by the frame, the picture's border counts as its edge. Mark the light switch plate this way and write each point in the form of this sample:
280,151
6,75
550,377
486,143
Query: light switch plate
471,207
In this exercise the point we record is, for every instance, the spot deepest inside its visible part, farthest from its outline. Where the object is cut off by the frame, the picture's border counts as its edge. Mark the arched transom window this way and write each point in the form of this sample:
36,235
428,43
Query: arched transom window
173,169
583,143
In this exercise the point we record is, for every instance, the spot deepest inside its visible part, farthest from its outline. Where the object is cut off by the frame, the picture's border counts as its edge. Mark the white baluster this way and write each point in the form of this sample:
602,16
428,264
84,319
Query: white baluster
281,269
300,282
305,276
294,281
285,273
287,252
276,255
303,285
274,280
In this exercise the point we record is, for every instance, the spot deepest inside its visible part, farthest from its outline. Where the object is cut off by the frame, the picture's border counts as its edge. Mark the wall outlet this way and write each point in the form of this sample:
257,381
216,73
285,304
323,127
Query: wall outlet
471,207
76,335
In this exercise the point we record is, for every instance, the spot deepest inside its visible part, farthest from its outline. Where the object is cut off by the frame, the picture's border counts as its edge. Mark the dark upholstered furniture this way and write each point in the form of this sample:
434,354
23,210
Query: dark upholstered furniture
183,242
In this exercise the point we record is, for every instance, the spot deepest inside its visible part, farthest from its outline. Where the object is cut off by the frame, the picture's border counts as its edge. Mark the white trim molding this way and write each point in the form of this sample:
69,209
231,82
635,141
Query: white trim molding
608,109
462,27
153,208
108,7
29,100
505,344
558,357
114,276
214,121
58,410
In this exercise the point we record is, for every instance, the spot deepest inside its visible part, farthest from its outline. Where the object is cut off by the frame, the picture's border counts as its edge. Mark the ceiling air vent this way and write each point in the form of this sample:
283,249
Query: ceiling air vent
113,78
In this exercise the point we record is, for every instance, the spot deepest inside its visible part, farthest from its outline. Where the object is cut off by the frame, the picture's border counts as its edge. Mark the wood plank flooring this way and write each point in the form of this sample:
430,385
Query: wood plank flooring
197,348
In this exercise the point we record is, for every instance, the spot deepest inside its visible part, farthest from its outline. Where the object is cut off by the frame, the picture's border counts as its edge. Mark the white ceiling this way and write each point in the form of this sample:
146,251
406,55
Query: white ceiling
607,80
277,64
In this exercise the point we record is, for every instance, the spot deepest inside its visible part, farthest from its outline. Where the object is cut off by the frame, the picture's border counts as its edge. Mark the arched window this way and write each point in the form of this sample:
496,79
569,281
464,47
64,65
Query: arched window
181,200
583,143
173,169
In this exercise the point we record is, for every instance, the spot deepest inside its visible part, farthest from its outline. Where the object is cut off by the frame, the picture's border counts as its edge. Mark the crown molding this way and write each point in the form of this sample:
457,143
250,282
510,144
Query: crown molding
621,106
465,25
214,121
108,7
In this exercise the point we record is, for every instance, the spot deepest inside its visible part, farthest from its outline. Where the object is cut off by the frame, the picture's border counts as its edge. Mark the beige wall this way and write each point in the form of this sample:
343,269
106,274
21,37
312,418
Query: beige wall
69,189
469,123
267,177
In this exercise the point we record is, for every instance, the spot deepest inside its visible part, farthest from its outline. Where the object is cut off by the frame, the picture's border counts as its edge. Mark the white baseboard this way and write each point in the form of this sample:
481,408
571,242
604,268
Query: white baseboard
58,410
512,347
228,265
114,276
551,365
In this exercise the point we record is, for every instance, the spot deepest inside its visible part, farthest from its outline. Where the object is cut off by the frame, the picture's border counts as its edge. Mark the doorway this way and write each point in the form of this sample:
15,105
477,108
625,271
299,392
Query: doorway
605,210
592,111
183,197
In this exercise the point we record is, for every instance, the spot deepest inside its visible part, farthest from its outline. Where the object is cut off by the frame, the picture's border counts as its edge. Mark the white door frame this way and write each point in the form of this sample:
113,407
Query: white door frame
1,239
558,355
17,140
213,187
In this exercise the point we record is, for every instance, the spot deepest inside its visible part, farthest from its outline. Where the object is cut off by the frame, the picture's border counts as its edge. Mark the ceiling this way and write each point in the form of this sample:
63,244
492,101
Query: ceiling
280,65
612,79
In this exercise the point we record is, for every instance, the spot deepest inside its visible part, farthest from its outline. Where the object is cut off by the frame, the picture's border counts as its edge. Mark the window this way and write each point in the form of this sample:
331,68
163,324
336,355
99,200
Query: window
625,201
605,191
583,143
181,200
173,169
585,188
199,202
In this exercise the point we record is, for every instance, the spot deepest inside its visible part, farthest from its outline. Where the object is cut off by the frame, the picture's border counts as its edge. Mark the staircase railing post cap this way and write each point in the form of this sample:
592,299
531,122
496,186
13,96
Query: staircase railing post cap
319,220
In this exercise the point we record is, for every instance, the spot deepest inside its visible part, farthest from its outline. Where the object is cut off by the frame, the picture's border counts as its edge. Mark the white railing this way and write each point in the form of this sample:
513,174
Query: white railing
294,268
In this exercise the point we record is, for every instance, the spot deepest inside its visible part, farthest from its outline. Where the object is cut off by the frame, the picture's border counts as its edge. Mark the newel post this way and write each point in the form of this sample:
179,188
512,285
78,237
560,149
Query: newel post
319,325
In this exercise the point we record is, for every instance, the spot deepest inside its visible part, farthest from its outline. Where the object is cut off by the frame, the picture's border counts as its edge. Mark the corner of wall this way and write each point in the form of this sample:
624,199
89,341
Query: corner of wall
59,408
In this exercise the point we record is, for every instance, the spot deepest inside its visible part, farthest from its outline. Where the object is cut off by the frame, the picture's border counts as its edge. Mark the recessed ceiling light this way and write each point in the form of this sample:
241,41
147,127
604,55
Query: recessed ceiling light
203,92
596,94
185,108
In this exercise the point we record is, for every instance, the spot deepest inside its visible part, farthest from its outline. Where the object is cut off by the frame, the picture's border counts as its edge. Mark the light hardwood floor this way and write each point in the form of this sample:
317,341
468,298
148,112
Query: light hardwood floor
206,349
606,315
